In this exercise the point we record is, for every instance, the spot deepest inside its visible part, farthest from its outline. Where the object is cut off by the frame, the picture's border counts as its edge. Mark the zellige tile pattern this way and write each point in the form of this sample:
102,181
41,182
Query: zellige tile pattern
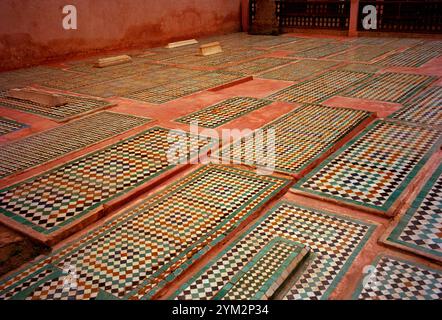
223,112
320,88
374,168
8,126
137,252
319,231
424,109
57,198
396,279
391,87
75,106
300,136
420,227
47,145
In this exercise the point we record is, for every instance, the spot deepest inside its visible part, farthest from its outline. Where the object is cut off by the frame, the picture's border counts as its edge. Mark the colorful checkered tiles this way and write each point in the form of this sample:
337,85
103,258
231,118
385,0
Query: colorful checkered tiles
300,136
298,70
396,279
415,56
362,54
297,227
391,87
42,147
256,66
223,112
419,229
8,126
171,91
320,88
75,106
424,109
57,198
373,169
136,253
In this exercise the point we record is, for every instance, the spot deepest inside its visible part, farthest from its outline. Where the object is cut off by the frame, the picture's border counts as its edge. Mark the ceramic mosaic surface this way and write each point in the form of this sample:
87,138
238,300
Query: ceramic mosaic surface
257,65
320,88
173,90
298,70
57,198
420,228
298,226
42,147
425,109
300,136
27,76
391,87
415,56
75,106
224,111
373,169
362,54
322,51
396,279
305,44
151,243
228,56
8,126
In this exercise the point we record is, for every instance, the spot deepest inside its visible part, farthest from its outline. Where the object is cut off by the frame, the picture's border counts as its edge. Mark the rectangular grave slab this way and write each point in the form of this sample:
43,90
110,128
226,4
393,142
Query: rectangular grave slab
373,169
42,147
397,279
57,200
419,229
8,126
301,137
300,226
152,243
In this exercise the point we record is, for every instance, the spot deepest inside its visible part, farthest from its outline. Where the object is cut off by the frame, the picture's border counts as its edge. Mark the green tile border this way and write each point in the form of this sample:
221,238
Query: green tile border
384,208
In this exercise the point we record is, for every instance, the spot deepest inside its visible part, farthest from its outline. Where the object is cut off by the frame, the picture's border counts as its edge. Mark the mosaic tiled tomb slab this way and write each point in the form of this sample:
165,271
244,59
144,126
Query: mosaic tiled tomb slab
28,76
226,57
373,169
61,196
257,65
361,67
320,88
171,91
151,243
8,126
42,147
300,137
299,70
396,279
320,231
224,111
305,44
362,53
413,57
420,229
75,106
322,51
391,87
425,109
